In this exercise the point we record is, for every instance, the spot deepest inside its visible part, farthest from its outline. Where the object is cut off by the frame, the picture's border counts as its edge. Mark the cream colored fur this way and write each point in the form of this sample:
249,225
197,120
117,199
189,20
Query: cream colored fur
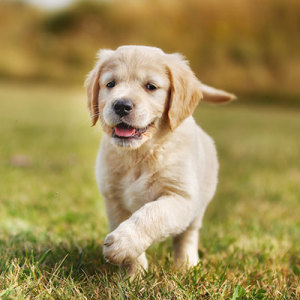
159,185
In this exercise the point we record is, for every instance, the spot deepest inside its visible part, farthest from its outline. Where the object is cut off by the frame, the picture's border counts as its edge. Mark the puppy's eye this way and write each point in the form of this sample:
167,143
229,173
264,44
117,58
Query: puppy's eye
111,84
150,87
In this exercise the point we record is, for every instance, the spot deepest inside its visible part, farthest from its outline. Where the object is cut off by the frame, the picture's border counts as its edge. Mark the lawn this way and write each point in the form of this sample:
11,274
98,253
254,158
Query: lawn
53,223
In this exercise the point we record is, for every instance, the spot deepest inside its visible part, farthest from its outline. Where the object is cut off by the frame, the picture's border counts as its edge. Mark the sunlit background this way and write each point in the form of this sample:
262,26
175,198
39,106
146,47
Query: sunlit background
248,46
52,219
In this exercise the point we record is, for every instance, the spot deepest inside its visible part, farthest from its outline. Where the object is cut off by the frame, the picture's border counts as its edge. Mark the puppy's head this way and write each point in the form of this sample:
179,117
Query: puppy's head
136,90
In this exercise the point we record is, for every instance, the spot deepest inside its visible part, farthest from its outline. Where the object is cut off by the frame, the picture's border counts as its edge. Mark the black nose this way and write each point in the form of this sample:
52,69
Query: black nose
122,107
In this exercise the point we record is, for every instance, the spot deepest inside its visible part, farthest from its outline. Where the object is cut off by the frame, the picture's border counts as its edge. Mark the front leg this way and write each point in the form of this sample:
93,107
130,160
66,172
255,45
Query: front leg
117,214
168,215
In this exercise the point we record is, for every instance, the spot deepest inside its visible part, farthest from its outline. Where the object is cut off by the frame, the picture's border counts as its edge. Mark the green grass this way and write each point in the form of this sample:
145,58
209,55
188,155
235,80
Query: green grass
52,219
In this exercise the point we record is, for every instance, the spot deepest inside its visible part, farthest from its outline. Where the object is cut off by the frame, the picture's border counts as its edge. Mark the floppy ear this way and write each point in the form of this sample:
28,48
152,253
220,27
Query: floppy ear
213,95
92,84
185,91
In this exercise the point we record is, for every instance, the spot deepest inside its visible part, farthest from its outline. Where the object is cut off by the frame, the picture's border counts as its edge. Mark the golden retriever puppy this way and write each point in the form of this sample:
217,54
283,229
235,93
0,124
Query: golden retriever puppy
156,168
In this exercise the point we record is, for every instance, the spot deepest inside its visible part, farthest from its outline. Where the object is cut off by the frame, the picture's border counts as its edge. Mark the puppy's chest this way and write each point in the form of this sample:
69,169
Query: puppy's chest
135,188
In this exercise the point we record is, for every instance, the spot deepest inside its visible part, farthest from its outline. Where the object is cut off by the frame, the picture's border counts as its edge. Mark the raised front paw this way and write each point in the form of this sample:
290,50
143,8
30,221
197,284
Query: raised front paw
121,246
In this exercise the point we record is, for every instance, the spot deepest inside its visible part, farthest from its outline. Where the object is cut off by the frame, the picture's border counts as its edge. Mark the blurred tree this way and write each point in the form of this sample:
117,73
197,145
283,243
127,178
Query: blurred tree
246,46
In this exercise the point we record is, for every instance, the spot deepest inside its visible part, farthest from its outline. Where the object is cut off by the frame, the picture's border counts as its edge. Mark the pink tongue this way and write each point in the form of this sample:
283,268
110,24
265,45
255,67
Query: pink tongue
124,132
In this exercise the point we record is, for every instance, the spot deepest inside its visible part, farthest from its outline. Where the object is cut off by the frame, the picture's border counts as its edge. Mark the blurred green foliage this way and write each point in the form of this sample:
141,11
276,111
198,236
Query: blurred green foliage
248,46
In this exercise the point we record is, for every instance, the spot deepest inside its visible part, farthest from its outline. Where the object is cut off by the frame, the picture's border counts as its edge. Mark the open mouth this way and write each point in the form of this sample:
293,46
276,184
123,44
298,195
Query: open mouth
125,131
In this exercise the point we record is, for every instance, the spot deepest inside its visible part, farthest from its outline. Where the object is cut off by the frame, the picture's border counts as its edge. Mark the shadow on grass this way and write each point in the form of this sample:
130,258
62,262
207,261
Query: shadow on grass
65,259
